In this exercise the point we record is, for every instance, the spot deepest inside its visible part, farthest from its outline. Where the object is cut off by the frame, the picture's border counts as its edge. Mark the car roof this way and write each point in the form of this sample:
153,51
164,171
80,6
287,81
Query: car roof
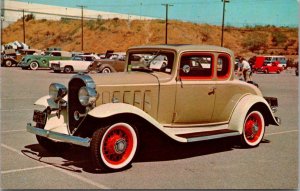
186,47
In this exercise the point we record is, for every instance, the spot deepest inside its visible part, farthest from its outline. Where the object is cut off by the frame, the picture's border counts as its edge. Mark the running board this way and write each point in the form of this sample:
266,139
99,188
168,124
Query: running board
207,135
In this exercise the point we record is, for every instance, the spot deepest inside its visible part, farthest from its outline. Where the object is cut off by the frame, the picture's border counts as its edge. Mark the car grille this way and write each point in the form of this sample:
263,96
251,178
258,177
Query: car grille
74,105
55,66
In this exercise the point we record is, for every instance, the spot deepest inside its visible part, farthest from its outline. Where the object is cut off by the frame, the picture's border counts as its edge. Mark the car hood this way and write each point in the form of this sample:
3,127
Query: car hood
129,78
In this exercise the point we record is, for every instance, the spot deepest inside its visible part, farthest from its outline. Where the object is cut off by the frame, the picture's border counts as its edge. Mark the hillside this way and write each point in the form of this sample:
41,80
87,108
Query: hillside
116,34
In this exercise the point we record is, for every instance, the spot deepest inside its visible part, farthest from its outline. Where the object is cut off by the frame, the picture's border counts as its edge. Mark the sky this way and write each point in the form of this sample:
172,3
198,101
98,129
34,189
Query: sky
238,13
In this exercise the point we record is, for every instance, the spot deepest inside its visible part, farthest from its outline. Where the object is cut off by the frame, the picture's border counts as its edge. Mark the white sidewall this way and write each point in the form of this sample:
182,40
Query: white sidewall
130,157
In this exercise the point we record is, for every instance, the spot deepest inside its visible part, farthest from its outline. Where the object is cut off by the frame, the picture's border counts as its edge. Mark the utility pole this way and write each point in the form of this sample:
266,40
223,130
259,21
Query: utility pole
81,25
2,19
24,26
167,7
224,2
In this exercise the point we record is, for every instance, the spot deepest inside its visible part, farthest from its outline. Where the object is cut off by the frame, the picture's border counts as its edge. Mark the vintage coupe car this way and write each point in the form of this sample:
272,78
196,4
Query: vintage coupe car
79,63
194,97
34,62
108,65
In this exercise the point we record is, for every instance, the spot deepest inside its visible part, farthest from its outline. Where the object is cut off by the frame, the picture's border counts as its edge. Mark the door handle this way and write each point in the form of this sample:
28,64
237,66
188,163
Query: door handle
212,91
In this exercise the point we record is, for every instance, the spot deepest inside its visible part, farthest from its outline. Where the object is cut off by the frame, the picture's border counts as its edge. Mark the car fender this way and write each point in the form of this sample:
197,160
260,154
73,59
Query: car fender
242,108
110,109
46,101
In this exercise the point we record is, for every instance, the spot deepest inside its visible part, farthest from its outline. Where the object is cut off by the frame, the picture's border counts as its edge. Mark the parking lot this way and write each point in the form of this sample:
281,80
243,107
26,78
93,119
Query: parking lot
216,164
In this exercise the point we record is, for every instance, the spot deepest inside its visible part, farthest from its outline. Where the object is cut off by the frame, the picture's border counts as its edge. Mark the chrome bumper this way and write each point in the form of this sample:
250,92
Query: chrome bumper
85,142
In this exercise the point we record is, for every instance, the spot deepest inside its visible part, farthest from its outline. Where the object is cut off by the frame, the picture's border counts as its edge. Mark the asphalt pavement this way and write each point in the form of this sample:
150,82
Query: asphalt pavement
162,163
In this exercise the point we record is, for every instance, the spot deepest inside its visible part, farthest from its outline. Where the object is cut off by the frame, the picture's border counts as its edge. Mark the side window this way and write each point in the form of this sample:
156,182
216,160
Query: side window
223,66
196,66
89,58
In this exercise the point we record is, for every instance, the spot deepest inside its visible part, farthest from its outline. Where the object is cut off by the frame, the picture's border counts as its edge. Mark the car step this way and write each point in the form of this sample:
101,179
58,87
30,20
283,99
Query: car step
207,135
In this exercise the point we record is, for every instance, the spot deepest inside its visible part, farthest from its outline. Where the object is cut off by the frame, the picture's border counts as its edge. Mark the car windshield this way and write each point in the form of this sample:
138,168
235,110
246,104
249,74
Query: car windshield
77,58
150,61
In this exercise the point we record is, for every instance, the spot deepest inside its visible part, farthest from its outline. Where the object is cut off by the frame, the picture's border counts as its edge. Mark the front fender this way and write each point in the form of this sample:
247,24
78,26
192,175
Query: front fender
247,103
110,109
47,101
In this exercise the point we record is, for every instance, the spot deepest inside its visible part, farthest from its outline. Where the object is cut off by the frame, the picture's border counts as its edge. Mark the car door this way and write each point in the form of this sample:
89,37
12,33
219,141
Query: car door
195,88
226,90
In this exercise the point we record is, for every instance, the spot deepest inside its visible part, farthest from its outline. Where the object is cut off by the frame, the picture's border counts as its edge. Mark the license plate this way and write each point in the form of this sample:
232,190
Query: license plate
39,117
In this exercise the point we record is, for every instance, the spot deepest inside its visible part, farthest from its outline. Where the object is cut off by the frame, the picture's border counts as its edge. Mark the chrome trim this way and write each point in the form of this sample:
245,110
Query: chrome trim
89,82
85,142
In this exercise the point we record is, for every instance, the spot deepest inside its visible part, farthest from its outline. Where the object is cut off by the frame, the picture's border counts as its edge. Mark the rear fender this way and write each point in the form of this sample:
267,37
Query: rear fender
247,103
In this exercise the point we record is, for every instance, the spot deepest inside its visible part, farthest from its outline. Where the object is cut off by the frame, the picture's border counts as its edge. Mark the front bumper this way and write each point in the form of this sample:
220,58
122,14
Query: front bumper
85,142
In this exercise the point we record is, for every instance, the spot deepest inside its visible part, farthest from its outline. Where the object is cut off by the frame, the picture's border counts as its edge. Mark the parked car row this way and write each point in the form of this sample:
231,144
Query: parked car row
63,61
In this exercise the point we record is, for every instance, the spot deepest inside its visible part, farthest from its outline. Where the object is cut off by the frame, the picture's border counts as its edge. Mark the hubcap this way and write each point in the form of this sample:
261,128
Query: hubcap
118,145
253,128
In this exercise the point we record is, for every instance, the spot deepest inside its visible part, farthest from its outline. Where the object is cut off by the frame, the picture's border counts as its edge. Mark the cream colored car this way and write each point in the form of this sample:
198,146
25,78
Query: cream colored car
191,96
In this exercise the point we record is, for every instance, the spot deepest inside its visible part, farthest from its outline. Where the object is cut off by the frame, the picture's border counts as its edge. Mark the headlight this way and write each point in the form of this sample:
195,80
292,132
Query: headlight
57,91
87,96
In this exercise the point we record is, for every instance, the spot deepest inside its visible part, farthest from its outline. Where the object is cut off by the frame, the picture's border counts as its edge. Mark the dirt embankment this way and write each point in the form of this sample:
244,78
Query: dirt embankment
101,35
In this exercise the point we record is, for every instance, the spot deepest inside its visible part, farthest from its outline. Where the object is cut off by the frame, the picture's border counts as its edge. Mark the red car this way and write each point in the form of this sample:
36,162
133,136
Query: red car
272,68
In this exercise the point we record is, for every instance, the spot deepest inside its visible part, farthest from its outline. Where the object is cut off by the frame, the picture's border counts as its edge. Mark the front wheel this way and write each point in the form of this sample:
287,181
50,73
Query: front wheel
68,69
114,147
8,63
253,130
50,145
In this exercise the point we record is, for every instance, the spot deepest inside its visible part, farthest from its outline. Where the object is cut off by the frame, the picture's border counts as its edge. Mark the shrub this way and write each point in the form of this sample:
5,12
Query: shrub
255,41
278,38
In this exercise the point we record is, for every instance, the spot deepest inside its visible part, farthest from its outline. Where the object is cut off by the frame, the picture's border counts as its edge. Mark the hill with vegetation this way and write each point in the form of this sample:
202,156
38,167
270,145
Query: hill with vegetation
116,34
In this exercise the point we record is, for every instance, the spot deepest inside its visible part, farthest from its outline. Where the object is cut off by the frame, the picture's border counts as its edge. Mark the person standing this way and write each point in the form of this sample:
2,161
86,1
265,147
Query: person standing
246,69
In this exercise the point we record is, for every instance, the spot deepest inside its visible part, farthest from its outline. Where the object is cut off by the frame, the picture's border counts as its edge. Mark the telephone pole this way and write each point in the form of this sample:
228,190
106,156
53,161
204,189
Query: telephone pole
167,7
223,18
24,26
81,6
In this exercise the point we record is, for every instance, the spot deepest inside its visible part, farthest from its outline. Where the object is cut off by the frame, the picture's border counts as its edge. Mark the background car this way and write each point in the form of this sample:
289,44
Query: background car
271,68
34,62
79,63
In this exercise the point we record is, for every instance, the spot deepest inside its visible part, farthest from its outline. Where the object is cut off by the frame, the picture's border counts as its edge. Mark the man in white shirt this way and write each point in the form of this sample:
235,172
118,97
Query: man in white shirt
246,69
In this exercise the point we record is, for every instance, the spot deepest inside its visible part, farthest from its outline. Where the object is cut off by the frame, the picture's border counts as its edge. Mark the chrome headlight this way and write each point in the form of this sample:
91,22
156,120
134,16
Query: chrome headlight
87,96
57,91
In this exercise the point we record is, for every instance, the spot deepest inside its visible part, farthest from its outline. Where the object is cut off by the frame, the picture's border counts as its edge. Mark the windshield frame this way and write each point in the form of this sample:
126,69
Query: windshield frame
170,55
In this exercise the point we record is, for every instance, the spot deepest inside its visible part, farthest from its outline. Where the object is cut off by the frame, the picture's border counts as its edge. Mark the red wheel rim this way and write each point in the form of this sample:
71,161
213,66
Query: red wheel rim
117,145
253,127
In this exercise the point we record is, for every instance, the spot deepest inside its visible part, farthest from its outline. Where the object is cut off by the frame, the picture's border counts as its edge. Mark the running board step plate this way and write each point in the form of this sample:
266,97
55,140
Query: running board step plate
207,135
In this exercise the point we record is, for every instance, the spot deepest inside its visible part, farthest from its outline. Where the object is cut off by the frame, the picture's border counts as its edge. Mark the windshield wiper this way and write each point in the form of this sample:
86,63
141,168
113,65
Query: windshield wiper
155,56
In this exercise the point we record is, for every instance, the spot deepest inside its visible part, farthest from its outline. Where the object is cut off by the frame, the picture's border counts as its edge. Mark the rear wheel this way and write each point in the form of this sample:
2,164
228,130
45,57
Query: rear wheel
253,130
115,146
34,65
106,70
